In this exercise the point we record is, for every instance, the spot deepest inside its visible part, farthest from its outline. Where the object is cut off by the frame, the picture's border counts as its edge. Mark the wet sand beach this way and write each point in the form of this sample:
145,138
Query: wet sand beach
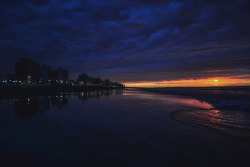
121,128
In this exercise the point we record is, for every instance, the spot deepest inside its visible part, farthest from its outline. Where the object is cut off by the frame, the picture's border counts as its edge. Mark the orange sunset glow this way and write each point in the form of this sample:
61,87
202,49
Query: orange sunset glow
210,82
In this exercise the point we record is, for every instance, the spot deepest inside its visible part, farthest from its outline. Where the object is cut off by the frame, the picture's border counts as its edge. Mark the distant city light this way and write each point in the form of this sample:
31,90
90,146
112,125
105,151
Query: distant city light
31,76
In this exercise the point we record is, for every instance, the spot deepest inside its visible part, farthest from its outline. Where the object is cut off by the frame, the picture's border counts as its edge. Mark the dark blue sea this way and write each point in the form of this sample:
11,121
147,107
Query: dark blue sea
132,128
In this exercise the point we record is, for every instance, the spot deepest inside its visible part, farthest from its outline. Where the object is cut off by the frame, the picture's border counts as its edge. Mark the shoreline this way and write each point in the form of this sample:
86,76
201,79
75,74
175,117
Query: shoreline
219,97
231,102
15,91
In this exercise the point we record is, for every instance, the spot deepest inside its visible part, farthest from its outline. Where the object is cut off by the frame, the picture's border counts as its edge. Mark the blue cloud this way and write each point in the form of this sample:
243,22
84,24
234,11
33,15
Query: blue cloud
128,40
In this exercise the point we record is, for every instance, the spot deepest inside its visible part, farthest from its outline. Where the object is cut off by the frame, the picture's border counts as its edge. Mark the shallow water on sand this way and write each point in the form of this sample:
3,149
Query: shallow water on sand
119,128
230,122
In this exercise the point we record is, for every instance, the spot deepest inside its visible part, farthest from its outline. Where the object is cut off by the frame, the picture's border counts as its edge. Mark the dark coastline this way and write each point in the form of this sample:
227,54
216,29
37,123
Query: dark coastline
36,90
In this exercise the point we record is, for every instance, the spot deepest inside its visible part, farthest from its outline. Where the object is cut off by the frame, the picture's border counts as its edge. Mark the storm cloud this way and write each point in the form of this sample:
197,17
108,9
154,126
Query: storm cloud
129,40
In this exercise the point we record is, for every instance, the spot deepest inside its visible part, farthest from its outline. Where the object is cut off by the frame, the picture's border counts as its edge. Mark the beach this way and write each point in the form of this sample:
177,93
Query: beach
127,127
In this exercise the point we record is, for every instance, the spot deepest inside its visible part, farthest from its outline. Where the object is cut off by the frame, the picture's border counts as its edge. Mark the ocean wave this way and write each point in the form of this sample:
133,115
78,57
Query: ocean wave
230,122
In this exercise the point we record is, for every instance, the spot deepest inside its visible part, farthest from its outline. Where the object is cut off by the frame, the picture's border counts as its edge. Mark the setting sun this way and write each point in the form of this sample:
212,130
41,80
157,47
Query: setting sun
222,81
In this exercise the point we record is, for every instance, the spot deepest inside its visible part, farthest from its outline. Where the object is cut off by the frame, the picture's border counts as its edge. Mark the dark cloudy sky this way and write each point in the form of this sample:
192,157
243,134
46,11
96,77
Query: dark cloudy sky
129,40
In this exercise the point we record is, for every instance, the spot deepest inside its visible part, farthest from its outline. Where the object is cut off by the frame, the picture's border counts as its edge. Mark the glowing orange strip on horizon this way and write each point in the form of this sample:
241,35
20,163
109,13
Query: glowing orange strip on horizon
192,83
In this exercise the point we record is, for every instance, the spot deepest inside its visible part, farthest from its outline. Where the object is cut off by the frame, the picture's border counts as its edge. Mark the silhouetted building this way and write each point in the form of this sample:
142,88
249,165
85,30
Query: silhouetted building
98,81
63,74
60,75
91,81
84,78
116,84
46,72
27,70
106,82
